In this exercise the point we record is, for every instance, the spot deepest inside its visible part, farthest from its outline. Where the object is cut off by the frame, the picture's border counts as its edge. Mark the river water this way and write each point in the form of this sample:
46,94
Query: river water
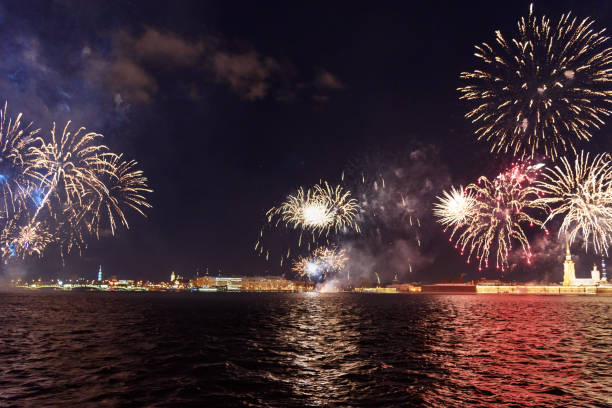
295,350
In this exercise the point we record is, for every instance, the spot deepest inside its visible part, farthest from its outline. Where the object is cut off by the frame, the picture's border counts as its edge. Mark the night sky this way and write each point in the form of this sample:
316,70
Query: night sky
229,106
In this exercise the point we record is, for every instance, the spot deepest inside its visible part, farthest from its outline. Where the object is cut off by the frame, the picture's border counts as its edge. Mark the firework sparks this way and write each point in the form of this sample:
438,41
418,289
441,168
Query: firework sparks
581,193
496,215
26,240
321,209
313,216
543,91
65,165
57,190
455,208
15,142
124,187
342,205
321,263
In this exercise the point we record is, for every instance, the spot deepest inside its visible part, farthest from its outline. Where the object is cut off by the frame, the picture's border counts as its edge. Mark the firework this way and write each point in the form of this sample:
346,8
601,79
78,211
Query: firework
455,208
59,190
313,215
15,142
341,204
86,186
21,241
71,232
65,165
496,214
321,263
124,187
542,91
320,210
581,193
307,211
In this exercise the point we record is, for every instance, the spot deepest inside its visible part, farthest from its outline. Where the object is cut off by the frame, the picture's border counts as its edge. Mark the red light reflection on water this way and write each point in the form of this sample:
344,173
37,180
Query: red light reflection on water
522,350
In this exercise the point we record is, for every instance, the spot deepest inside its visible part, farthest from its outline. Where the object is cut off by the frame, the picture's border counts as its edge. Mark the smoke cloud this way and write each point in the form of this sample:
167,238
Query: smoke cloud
395,192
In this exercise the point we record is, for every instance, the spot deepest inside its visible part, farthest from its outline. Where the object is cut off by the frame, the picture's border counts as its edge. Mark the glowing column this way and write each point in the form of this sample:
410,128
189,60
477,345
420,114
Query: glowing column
569,275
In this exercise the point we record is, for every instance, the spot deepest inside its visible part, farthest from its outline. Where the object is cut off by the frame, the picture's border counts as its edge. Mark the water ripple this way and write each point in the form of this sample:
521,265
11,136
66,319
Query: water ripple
270,350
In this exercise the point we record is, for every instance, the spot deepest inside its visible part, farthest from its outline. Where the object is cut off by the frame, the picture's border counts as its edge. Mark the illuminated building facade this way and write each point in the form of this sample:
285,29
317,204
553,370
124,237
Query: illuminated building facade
232,284
571,285
252,284
100,274
274,284
376,290
569,274
405,287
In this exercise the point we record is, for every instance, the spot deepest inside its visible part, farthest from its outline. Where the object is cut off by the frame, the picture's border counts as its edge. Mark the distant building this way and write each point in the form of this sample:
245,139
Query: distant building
229,283
569,273
595,275
100,274
452,287
251,284
172,277
405,287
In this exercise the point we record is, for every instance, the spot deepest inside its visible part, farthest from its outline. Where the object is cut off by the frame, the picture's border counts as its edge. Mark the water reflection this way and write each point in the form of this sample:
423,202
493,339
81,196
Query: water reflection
301,350
320,332
523,351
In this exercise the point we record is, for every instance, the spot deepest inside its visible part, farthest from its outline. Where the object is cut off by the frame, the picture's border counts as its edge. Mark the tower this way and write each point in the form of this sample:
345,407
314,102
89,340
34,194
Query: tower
595,277
172,277
100,274
569,275
604,276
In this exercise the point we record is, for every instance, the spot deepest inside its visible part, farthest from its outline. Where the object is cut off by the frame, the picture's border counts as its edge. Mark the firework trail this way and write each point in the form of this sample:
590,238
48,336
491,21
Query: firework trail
581,193
61,189
323,262
543,91
495,217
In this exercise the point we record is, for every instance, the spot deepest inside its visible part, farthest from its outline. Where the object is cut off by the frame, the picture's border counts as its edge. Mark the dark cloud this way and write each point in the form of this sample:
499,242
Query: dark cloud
137,59
130,81
103,71
131,71
164,47
248,74
326,80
